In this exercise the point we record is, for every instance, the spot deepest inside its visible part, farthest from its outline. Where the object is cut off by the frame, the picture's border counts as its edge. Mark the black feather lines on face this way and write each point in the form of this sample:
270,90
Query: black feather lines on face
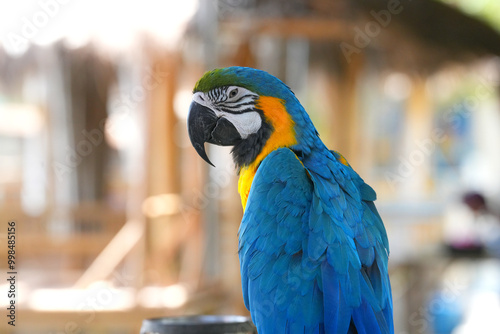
245,152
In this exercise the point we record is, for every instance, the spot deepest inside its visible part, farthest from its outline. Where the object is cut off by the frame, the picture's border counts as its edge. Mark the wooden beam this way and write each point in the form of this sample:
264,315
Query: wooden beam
118,248
312,28
76,245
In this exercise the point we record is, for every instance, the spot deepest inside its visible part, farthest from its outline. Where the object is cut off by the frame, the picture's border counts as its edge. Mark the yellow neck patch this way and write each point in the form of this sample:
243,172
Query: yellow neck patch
283,135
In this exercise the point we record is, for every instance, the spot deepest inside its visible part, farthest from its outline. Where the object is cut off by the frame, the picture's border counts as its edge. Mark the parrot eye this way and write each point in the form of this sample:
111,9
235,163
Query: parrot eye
233,93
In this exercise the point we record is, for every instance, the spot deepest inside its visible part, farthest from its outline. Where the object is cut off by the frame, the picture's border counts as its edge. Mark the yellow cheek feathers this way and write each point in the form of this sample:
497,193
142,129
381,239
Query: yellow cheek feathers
283,135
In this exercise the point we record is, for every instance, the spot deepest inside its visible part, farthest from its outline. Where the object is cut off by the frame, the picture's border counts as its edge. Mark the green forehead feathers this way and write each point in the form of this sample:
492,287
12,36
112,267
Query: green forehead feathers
246,77
214,79
257,81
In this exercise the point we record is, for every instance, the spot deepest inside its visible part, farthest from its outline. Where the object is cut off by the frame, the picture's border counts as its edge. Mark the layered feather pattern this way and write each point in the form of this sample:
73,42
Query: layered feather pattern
313,249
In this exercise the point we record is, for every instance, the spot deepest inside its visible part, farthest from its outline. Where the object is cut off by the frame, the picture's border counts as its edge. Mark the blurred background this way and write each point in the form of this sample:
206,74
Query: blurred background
119,220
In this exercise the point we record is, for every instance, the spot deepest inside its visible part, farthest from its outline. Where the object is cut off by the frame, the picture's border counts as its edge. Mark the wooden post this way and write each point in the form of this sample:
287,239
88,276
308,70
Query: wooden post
162,175
343,97
163,164
418,142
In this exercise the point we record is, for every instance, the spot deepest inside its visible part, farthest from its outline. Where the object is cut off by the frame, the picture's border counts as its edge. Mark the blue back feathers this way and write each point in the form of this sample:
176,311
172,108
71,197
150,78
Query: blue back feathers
313,249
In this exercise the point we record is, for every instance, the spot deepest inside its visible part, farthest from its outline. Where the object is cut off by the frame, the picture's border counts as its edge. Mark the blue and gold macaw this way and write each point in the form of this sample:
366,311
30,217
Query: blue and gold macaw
313,249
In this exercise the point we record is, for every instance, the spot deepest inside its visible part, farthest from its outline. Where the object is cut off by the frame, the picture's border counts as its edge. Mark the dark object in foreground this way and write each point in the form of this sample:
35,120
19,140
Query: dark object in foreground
469,251
203,324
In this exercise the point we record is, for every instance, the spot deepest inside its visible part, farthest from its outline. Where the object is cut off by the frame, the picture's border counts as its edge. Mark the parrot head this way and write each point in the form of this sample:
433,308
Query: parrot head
248,109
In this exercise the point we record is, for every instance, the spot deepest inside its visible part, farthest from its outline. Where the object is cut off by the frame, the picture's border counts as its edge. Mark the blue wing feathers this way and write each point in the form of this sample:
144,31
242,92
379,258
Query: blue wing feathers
272,194
313,249
365,320
337,311
366,254
367,192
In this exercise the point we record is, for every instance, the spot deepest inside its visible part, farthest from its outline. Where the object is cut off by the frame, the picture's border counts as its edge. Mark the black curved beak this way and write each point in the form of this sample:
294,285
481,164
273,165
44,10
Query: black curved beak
205,127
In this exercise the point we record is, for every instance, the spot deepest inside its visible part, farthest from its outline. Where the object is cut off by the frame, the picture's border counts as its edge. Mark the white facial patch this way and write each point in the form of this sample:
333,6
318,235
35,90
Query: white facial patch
246,123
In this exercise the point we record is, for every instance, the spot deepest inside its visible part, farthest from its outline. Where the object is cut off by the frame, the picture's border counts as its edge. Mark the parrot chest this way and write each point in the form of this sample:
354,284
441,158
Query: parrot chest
244,183
283,135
